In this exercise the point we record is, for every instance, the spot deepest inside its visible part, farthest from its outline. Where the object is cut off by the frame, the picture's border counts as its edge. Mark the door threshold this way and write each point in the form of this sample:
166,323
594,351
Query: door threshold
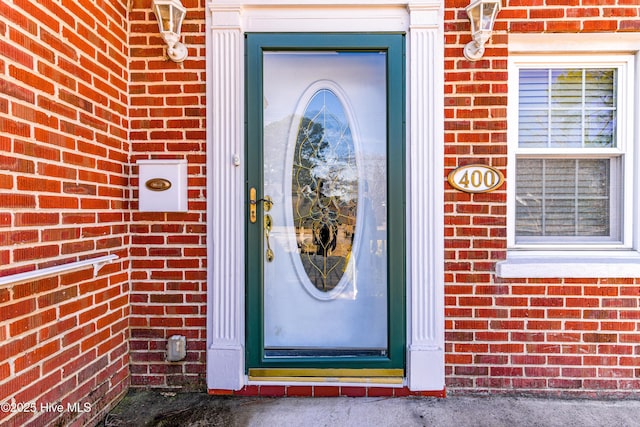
388,381
323,376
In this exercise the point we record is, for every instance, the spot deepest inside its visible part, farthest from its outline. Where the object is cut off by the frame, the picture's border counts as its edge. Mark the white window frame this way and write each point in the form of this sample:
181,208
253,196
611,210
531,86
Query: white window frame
573,259
623,146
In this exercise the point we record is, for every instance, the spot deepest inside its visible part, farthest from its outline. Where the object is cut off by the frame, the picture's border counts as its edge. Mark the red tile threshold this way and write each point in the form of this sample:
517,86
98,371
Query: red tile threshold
325,391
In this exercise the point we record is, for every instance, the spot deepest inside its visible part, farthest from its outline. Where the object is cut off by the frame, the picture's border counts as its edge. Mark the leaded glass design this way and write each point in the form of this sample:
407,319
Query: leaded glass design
324,190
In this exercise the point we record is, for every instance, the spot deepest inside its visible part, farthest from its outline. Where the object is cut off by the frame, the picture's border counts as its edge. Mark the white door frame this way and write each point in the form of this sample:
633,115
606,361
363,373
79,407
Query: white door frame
226,23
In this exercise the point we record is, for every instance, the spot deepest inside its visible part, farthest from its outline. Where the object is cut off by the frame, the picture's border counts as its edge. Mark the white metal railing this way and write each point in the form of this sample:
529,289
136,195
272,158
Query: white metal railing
97,264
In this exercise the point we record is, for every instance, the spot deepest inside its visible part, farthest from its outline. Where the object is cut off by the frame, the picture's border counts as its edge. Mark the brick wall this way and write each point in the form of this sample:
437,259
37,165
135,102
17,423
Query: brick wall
547,337
554,336
83,99
63,198
168,250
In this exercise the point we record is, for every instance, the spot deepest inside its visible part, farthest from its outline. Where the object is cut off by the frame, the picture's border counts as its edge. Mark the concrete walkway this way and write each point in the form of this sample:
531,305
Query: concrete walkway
197,409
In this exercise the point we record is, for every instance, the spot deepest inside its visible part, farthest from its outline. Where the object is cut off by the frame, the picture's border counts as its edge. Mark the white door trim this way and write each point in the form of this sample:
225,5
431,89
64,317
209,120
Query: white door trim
226,23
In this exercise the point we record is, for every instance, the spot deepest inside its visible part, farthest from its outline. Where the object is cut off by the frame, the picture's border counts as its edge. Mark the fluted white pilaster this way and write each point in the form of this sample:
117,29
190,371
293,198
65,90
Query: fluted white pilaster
225,194
425,235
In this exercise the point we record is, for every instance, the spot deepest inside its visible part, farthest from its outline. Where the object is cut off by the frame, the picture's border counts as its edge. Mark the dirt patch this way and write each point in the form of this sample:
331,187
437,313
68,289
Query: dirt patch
162,409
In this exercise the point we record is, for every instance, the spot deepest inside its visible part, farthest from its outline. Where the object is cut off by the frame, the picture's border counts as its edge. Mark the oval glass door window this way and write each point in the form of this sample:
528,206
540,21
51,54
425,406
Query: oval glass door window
324,190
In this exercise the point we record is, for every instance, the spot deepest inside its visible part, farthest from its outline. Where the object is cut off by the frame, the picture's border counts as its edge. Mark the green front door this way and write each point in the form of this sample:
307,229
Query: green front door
325,204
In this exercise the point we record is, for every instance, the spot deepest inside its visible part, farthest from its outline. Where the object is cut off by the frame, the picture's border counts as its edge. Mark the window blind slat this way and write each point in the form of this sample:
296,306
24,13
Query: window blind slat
600,88
533,128
562,197
566,128
567,107
600,129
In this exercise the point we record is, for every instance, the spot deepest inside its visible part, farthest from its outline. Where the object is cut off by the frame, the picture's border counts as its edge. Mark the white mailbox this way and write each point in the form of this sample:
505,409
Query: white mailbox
162,185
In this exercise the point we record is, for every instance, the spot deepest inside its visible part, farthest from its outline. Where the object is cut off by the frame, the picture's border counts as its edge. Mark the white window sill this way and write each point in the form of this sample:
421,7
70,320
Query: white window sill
549,264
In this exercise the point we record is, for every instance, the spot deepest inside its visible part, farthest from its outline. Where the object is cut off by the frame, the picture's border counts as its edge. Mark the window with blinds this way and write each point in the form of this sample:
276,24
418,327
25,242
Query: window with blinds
570,108
568,165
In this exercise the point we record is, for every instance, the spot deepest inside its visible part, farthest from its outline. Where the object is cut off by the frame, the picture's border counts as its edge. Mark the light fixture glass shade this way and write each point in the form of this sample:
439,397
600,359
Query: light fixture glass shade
489,12
482,15
473,12
170,14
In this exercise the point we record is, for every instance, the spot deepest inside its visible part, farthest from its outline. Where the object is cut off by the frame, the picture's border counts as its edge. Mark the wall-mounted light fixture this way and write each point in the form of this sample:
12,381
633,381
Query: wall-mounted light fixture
482,14
170,14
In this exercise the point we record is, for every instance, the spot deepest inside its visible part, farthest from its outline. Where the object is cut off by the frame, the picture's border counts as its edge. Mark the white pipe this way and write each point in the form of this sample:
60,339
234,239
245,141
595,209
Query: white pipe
97,264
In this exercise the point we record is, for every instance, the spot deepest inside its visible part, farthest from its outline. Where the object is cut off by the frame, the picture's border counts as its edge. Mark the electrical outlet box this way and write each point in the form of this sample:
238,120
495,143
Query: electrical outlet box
176,348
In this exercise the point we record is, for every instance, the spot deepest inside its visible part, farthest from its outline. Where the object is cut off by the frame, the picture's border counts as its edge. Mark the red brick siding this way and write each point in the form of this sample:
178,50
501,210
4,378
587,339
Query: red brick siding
492,345
63,197
168,250
552,337
72,112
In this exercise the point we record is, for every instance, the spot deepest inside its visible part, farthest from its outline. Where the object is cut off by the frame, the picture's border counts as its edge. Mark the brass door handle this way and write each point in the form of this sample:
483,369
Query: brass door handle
253,204
268,224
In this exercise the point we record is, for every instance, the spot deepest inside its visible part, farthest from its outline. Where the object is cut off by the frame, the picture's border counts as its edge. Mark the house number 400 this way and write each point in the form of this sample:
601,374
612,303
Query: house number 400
476,178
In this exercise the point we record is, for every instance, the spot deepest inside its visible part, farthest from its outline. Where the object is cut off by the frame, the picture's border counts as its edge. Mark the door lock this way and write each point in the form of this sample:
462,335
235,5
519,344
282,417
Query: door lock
267,203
